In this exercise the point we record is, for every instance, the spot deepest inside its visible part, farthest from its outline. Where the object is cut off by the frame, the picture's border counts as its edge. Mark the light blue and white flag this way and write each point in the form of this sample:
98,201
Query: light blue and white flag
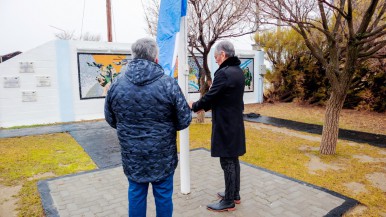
169,20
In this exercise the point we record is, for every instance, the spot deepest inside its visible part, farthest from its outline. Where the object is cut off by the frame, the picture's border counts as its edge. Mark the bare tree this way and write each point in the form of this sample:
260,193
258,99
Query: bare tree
65,35
69,35
208,22
351,31
151,9
90,37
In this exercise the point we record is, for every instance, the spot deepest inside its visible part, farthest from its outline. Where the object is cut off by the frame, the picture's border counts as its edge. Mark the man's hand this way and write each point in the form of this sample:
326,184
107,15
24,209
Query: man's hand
191,106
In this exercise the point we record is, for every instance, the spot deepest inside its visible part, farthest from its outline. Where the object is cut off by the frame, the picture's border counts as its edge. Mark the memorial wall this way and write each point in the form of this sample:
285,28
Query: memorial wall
64,81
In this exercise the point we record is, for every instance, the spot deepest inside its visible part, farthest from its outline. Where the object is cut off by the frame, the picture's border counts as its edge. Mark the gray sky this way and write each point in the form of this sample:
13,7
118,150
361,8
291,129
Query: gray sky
25,24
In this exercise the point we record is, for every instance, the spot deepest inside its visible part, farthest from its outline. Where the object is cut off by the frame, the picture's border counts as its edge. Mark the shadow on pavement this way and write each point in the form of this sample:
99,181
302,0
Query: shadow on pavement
101,145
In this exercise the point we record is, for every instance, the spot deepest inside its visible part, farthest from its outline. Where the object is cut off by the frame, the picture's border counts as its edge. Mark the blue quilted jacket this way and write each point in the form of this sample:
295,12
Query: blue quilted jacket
147,108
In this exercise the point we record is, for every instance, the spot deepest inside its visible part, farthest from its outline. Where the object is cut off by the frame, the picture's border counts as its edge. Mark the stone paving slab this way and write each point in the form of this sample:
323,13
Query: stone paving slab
263,193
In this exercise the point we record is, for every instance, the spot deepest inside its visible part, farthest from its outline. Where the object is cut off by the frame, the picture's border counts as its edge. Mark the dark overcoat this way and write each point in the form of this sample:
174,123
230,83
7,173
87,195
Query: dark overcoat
147,107
225,99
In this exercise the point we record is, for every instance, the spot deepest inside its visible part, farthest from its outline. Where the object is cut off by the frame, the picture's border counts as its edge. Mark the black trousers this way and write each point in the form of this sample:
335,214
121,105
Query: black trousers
231,168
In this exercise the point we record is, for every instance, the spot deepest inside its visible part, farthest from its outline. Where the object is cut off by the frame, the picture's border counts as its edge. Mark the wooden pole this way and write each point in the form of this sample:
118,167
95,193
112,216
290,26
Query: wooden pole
108,12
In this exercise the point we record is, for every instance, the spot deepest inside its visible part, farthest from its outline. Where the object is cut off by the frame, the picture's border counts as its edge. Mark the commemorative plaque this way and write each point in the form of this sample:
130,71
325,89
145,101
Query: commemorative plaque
27,67
43,81
29,96
11,82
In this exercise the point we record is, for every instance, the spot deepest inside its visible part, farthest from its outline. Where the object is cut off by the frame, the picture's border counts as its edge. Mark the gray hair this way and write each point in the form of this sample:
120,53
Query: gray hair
227,47
145,48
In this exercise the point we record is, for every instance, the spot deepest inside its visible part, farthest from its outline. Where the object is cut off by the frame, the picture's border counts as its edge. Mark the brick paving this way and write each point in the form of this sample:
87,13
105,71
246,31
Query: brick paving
263,193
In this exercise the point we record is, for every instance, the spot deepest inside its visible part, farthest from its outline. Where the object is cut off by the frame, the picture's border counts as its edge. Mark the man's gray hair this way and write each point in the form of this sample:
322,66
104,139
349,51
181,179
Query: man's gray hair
227,47
145,48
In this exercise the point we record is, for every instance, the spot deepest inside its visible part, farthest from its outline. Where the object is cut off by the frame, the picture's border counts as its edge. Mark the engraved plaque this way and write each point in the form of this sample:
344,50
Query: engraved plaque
29,96
11,82
27,67
43,81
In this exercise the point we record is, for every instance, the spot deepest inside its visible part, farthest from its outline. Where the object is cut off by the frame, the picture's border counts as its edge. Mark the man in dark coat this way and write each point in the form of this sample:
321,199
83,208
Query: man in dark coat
225,99
147,108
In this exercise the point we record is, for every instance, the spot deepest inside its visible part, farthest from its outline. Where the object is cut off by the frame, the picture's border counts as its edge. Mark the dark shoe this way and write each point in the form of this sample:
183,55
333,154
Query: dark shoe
237,198
222,206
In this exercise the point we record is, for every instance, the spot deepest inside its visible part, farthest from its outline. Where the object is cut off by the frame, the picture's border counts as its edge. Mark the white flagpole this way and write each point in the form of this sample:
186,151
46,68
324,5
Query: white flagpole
183,82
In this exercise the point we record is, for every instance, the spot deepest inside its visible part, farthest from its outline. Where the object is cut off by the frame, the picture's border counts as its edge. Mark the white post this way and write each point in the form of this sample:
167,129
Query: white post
183,82
259,76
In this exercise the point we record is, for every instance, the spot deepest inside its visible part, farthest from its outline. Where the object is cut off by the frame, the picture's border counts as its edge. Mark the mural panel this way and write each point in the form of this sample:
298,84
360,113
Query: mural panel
248,69
194,74
97,71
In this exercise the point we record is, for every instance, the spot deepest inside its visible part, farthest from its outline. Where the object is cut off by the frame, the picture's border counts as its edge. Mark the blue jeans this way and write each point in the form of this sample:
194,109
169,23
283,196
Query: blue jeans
162,191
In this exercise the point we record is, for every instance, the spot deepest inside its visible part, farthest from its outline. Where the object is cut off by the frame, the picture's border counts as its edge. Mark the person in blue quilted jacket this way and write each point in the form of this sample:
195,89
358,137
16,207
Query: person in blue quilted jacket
147,108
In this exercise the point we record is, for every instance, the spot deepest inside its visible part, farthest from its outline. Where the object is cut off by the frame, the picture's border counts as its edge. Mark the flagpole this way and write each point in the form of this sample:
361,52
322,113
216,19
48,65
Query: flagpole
183,82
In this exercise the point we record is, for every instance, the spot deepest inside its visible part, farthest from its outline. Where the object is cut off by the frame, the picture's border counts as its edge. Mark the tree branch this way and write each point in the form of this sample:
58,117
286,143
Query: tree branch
349,20
339,10
367,17
374,49
339,17
372,38
374,32
323,15
379,17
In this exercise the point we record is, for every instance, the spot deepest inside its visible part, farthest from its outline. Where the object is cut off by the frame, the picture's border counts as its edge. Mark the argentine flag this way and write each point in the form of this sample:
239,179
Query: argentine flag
169,20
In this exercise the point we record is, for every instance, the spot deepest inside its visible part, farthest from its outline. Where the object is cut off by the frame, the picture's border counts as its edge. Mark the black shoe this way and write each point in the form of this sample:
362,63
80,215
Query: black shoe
222,206
237,198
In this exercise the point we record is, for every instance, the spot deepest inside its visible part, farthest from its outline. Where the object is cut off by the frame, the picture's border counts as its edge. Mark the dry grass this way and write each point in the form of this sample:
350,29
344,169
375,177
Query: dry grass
371,122
24,159
282,153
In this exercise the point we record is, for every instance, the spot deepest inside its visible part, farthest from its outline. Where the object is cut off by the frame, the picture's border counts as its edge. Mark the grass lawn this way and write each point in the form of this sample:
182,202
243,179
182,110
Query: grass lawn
371,122
26,160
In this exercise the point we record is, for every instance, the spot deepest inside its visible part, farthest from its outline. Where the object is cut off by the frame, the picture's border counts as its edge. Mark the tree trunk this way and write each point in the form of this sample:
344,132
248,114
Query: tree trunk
200,117
206,70
331,122
203,89
205,81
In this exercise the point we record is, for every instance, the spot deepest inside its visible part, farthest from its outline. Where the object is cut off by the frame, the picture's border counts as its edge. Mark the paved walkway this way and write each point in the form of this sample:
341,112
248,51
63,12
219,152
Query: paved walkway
264,193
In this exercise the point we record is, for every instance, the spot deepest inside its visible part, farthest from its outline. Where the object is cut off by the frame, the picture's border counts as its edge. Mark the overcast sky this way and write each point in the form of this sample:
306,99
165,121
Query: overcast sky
26,24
